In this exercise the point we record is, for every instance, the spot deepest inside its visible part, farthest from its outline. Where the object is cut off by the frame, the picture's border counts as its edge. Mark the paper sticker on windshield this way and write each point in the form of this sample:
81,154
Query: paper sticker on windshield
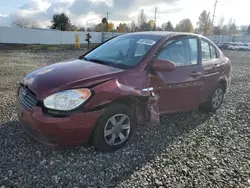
146,42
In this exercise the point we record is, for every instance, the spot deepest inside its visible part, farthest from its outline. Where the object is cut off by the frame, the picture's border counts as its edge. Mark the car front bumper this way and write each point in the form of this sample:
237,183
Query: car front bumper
58,132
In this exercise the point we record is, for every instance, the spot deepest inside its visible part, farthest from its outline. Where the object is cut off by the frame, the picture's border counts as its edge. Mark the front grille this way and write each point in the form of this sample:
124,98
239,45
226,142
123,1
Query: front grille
27,98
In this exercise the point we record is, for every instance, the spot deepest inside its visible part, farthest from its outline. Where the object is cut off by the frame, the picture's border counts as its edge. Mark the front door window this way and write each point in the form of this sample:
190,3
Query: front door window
181,88
182,53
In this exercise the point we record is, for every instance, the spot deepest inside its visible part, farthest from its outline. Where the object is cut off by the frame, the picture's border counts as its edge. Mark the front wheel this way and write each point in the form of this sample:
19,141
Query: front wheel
215,99
114,128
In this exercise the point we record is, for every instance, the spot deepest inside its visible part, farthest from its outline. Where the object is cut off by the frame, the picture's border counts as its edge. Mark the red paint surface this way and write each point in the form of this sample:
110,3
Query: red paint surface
176,90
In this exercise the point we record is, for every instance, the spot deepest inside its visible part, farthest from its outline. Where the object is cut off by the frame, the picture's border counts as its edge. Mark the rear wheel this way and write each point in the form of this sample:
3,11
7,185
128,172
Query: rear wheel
215,99
114,128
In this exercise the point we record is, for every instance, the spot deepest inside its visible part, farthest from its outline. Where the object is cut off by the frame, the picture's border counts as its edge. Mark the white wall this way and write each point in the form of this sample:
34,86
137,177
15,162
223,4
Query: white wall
108,35
227,38
11,35
36,36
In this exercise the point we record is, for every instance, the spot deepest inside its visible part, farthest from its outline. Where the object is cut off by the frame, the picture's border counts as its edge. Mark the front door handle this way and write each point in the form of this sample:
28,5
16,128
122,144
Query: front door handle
195,74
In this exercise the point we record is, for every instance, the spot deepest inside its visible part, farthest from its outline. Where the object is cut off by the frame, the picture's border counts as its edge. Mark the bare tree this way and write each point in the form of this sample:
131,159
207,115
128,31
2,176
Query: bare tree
142,19
231,27
24,23
132,27
221,22
244,28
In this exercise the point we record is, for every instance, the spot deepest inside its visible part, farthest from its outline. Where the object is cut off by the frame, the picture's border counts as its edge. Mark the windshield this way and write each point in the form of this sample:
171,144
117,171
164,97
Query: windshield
124,51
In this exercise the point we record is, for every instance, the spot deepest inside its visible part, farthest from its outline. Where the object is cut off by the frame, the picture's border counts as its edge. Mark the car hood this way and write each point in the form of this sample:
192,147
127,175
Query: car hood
66,75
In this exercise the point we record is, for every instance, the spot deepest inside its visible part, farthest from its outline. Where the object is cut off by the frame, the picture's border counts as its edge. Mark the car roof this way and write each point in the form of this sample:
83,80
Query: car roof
162,33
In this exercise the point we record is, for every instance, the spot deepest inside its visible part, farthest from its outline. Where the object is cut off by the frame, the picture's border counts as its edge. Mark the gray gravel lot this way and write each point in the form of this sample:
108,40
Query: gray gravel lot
192,149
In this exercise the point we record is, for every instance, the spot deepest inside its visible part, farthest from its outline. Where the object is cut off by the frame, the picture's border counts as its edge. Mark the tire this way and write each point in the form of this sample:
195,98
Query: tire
105,124
215,99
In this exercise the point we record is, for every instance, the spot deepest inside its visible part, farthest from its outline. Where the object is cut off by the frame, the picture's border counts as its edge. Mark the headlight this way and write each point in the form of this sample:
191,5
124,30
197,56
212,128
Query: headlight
67,100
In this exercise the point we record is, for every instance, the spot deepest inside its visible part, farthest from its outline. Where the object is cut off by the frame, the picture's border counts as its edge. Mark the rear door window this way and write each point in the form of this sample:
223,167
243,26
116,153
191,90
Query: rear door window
205,51
209,52
213,52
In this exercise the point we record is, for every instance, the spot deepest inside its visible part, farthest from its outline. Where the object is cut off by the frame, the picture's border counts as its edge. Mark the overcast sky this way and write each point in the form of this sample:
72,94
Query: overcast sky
82,12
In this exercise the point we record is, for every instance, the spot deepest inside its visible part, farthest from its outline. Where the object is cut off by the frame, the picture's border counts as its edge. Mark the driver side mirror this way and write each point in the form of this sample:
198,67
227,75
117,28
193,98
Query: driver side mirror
163,65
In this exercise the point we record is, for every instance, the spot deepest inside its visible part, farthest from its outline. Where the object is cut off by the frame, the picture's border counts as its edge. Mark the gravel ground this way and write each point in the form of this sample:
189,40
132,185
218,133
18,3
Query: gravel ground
192,149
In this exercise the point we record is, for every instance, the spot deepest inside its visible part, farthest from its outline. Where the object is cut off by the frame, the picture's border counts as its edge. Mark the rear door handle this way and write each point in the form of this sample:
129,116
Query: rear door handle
195,74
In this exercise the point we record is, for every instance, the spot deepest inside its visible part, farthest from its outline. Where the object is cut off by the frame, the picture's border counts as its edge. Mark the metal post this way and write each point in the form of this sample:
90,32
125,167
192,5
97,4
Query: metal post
155,18
215,5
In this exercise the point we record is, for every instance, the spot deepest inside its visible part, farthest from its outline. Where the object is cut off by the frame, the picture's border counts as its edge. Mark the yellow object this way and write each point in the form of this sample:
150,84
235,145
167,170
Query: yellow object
78,46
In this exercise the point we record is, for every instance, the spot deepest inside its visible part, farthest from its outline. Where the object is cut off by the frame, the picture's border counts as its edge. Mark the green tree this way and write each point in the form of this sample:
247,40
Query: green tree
145,27
151,25
104,21
100,28
105,24
216,30
120,28
61,22
185,25
90,29
82,29
205,23
111,27
73,28
168,26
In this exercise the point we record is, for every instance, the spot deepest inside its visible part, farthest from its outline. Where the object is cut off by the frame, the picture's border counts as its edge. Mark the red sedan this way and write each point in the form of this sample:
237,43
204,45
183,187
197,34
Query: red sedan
100,96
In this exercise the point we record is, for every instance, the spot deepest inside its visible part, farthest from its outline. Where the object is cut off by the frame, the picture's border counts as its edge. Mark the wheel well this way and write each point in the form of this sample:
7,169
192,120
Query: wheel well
136,104
224,84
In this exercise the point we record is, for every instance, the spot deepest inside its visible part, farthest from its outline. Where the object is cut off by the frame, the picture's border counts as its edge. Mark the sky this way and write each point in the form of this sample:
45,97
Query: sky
89,12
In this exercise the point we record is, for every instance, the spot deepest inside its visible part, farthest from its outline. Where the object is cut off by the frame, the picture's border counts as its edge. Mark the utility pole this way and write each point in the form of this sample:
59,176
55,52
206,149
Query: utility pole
108,16
155,18
107,21
215,5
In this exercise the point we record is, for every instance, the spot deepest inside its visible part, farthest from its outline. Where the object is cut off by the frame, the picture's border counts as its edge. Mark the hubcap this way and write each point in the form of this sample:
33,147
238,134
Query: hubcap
217,98
117,129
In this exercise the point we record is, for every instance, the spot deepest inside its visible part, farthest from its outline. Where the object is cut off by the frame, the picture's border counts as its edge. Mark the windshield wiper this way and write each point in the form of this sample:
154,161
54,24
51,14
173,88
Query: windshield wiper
109,63
98,61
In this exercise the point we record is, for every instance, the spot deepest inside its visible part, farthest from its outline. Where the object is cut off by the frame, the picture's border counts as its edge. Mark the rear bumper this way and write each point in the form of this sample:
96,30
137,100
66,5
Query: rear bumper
58,132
